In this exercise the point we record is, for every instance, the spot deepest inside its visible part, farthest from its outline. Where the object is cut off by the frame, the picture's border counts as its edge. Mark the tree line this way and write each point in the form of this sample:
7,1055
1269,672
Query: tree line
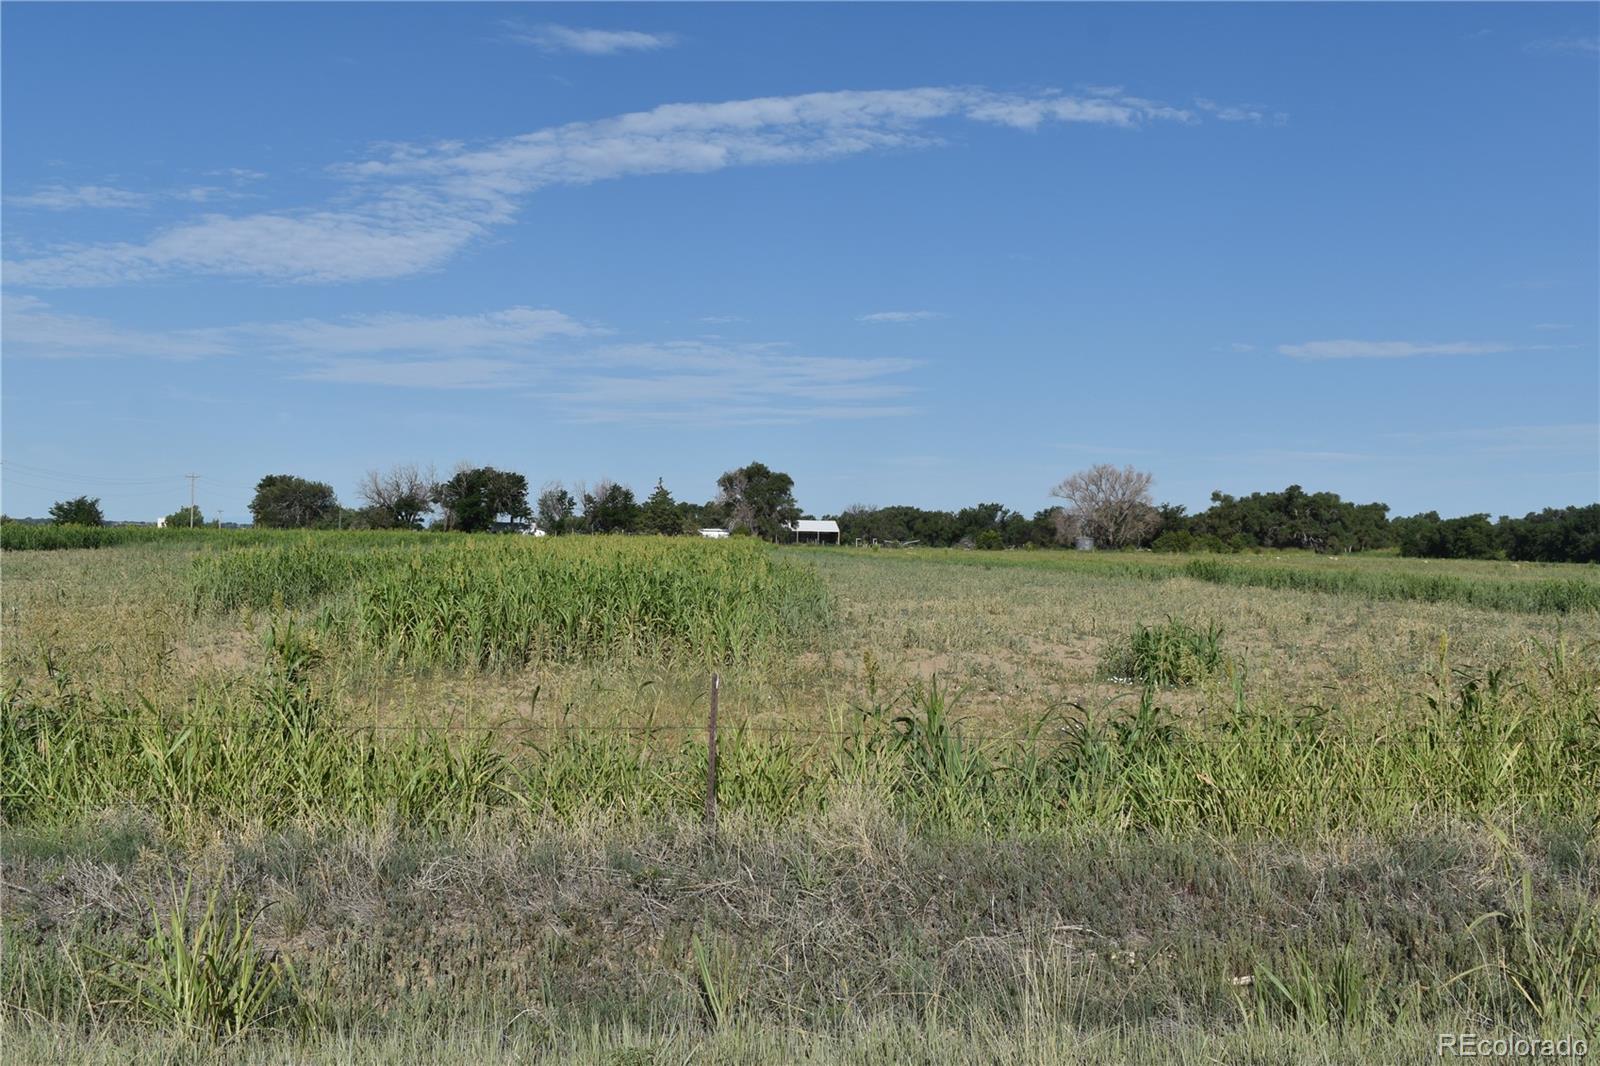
1109,506
1113,508
1553,535
752,498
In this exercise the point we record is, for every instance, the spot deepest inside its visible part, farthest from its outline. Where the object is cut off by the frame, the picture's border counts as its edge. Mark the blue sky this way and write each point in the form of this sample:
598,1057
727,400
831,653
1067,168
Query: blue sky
910,254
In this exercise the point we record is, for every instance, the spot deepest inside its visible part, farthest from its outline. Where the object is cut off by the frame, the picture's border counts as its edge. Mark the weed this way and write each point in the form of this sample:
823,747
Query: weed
1174,653
205,977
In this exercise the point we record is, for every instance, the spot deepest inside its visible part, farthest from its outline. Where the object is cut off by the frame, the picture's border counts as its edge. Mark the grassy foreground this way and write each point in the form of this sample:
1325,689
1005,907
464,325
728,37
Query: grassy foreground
1014,810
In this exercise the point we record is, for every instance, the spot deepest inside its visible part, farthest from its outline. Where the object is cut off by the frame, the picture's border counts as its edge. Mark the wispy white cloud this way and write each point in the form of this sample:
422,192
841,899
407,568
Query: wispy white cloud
386,240
721,320
592,42
1576,45
1552,325
900,316
412,207
108,197
1278,455
469,373
717,384
555,358
237,174
1252,113
76,197
1352,349
206,194
33,330
511,330
1562,437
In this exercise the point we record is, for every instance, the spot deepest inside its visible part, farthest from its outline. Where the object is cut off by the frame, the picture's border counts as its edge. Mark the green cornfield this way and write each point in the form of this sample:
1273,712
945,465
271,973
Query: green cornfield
20,536
1549,596
499,602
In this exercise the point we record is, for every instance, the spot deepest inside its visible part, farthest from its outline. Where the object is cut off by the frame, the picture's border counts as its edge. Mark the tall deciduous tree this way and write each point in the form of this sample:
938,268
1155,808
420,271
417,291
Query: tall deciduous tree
758,499
82,511
1294,518
556,508
283,501
1109,504
399,498
184,517
475,497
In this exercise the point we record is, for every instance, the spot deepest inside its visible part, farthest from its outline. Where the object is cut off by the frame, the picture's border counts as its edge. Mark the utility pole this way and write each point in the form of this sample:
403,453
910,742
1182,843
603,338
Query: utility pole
191,478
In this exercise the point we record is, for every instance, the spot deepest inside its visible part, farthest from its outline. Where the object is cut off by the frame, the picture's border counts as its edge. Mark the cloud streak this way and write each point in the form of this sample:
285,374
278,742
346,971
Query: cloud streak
75,197
1254,114
33,330
701,383
1561,437
411,208
591,42
901,316
110,197
569,365
1354,349
1576,45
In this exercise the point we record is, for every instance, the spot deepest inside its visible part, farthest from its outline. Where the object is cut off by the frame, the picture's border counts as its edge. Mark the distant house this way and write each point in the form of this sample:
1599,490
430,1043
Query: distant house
161,523
526,527
714,534
815,531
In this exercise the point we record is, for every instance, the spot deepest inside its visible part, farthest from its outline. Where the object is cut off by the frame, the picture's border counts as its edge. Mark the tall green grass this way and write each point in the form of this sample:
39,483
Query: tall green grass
510,603
1547,596
502,602
275,751
1525,589
27,536
20,536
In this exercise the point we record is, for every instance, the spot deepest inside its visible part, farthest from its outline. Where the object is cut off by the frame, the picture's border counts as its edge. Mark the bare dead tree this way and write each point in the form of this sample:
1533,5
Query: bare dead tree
1069,527
401,496
1109,504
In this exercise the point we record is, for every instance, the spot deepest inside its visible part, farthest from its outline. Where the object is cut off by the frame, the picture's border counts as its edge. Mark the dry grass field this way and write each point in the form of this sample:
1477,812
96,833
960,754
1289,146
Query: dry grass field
260,805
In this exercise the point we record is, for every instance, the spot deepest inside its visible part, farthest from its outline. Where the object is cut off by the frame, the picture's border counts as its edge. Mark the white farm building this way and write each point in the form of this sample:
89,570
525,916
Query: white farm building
815,531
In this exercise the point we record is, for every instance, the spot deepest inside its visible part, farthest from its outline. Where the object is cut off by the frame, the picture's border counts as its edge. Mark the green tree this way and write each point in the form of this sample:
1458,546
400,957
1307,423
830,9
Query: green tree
82,511
1294,518
474,498
610,508
185,517
660,513
1554,535
758,499
283,501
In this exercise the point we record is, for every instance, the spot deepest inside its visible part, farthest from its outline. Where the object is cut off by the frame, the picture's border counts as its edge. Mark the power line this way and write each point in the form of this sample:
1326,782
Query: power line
27,469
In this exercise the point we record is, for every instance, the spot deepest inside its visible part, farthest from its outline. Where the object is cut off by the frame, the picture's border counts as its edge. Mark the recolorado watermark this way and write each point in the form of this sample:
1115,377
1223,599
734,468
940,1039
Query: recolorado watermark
1473,1046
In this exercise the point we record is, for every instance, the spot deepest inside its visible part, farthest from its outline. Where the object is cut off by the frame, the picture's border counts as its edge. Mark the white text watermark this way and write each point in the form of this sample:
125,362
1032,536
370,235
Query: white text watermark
1474,1046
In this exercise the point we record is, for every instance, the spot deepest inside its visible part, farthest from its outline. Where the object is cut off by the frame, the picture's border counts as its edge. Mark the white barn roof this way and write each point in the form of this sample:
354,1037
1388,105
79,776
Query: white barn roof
813,525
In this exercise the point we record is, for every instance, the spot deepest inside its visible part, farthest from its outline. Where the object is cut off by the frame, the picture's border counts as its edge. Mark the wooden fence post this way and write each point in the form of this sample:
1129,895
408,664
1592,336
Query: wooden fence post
711,756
